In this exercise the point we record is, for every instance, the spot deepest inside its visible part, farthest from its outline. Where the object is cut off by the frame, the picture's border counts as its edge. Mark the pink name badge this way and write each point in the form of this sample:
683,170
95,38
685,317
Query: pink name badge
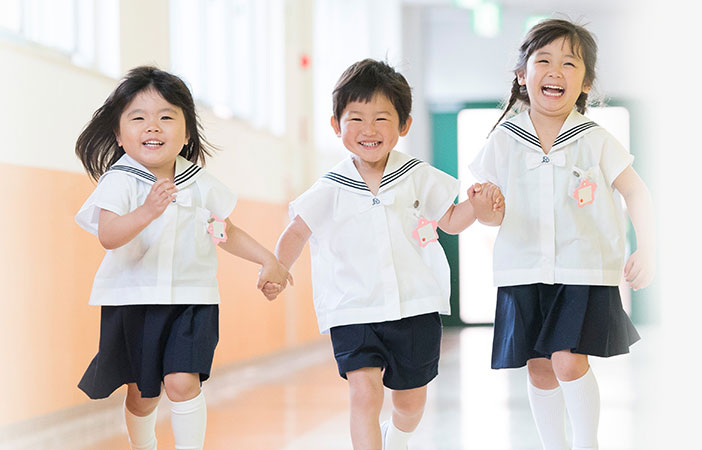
425,232
585,193
217,228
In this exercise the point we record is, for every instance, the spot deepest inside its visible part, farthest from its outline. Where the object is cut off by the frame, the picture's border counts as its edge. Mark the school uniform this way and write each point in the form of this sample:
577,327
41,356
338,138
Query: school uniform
563,226
376,261
159,292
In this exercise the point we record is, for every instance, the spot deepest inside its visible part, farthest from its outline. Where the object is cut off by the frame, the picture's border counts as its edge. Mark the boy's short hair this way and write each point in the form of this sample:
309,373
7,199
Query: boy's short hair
363,79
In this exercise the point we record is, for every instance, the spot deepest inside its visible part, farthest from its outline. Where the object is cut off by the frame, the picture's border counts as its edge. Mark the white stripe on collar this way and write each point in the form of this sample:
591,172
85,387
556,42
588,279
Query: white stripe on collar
521,128
346,175
185,171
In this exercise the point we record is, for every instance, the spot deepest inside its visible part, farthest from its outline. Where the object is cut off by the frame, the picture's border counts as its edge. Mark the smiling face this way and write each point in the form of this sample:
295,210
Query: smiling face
152,132
370,130
554,77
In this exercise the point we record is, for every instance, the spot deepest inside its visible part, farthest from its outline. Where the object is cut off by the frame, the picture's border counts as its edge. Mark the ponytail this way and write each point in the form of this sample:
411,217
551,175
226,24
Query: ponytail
518,93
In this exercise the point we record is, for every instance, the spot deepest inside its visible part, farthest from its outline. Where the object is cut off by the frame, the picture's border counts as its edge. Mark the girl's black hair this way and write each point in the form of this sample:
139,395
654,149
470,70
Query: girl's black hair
364,79
97,147
581,41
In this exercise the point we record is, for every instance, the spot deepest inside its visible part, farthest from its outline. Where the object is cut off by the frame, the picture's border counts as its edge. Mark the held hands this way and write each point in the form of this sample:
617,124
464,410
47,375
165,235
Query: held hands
162,193
640,268
488,202
273,278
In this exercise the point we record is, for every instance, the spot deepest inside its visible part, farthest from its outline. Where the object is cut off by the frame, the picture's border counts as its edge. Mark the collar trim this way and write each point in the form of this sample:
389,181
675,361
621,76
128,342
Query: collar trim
186,171
384,181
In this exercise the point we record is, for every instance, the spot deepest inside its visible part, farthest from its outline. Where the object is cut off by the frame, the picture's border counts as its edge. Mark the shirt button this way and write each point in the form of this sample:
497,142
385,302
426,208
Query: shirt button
376,201
545,160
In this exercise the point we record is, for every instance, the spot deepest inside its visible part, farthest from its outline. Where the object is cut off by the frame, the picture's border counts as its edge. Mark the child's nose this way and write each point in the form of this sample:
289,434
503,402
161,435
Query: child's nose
369,127
152,127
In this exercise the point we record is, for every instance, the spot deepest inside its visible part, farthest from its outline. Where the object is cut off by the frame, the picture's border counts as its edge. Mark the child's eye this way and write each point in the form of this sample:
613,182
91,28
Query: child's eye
137,118
542,61
381,118
570,64
166,118
355,119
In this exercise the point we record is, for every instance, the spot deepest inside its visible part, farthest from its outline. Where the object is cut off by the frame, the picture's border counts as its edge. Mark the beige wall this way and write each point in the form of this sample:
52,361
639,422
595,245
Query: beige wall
48,333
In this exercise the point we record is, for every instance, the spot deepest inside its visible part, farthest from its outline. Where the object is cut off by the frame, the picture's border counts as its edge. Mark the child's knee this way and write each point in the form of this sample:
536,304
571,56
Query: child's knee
410,402
569,366
182,386
138,405
541,374
366,387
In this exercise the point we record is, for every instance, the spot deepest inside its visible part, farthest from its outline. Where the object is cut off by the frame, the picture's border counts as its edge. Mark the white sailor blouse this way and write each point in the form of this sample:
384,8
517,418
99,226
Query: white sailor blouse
563,219
375,258
174,259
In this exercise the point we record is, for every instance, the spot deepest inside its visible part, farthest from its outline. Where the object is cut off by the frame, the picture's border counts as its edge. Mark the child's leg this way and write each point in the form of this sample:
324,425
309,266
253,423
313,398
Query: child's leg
582,397
140,417
408,407
188,410
547,404
366,396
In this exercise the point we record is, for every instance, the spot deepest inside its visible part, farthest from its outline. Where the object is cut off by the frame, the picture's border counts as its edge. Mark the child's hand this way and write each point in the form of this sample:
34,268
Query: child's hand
271,290
273,277
640,268
488,202
161,195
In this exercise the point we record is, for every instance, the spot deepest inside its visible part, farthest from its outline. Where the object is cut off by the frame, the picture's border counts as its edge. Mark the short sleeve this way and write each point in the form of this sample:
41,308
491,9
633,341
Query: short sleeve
484,166
614,159
219,199
436,191
112,194
314,206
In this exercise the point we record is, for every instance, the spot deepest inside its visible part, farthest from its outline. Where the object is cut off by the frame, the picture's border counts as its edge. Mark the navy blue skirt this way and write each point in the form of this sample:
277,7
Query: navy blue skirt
536,320
143,343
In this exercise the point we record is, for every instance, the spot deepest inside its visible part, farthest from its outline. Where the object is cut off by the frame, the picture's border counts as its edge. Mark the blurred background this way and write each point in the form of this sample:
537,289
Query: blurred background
262,72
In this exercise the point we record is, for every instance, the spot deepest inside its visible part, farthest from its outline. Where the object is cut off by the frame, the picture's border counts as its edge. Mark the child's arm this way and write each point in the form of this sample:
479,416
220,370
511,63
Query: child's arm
488,203
458,217
288,249
114,230
485,203
640,267
241,244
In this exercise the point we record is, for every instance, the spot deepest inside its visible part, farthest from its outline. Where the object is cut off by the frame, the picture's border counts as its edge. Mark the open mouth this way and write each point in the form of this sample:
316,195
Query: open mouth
152,144
370,145
552,90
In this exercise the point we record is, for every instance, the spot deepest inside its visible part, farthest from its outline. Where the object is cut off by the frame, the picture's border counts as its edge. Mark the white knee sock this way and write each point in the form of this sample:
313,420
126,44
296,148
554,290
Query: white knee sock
582,398
141,430
189,421
395,439
548,409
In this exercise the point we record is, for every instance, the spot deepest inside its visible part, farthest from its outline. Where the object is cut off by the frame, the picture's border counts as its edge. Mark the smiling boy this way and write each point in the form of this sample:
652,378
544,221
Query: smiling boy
379,274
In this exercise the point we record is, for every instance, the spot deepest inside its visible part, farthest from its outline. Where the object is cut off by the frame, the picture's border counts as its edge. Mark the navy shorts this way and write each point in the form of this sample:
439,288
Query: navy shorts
143,343
536,320
407,349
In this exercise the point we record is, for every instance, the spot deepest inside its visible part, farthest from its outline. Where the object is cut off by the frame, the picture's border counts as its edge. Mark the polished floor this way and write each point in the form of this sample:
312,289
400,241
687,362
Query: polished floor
296,401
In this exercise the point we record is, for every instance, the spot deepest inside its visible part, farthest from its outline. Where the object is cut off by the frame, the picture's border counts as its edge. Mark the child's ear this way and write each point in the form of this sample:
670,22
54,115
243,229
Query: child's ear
586,87
119,141
405,129
521,77
335,126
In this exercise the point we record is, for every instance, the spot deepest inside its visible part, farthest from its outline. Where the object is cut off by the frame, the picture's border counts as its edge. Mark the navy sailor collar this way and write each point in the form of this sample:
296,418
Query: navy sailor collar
521,129
185,171
346,176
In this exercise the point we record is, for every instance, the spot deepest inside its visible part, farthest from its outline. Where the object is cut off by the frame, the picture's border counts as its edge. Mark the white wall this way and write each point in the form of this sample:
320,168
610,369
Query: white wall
461,66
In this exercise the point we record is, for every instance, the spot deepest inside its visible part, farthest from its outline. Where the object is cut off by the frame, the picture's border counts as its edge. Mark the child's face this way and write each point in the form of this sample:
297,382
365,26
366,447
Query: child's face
152,132
370,130
554,77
